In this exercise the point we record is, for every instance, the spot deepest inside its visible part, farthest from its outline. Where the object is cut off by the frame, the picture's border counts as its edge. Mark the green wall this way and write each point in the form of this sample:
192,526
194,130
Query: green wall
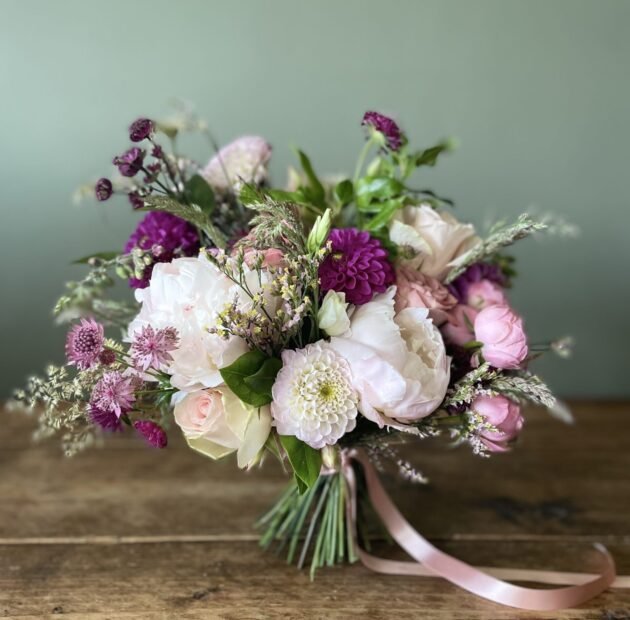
536,92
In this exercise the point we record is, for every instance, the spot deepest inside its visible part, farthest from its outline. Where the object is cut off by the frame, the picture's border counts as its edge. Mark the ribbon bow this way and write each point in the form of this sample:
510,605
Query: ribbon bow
487,583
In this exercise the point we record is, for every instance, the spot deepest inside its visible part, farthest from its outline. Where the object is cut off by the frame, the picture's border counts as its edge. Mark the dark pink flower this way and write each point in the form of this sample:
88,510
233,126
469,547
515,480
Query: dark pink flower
107,420
152,433
385,125
84,344
130,162
140,129
357,265
114,393
151,347
103,189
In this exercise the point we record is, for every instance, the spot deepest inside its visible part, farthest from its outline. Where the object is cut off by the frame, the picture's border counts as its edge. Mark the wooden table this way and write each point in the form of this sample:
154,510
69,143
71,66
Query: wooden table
127,532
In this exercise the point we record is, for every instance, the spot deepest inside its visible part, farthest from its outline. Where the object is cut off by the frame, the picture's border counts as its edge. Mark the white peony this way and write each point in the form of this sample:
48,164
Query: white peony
435,236
187,294
399,364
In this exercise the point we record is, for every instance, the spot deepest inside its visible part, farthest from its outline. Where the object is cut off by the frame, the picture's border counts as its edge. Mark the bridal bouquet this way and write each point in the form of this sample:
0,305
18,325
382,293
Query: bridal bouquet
321,324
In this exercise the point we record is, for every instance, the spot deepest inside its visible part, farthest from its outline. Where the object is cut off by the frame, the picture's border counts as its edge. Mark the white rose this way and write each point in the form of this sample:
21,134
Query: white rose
216,423
399,364
436,236
333,316
187,294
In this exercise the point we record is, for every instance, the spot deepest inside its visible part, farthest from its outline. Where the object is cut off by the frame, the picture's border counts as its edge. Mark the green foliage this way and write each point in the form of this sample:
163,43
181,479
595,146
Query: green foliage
198,192
98,256
305,461
314,193
192,213
251,377
344,191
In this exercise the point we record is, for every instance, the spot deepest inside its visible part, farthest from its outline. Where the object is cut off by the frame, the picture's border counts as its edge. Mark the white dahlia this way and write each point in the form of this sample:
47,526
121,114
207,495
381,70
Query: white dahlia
313,397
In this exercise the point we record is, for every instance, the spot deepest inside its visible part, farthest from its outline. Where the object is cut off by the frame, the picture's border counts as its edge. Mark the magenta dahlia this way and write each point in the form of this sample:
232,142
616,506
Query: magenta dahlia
170,234
84,344
357,266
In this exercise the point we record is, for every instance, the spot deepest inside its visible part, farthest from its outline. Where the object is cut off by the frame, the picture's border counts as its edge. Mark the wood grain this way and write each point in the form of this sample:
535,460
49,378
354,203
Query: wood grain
126,532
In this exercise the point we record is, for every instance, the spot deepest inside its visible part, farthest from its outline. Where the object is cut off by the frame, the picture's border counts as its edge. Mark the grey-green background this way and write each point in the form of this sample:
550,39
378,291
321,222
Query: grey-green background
536,92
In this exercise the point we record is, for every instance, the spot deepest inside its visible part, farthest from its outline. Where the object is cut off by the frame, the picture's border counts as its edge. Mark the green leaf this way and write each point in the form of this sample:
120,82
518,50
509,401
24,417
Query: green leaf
251,195
305,461
105,256
249,376
191,213
382,218
345,192
428,157
200,193
372,190
317,194
263,379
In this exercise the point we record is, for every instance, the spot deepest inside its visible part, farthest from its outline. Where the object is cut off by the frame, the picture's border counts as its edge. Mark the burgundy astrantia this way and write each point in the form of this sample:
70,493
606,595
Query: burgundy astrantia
140,129
103,189
114,393
84,344
152,433
386,126
166,236
151,347
475,273
130,162
106,419
357,265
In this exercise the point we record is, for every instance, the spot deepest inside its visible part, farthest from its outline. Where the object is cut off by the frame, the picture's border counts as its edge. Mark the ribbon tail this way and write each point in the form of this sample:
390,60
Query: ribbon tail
486,583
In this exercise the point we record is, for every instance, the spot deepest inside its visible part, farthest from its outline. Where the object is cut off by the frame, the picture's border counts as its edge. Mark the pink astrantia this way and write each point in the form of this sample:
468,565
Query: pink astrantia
152,433
114,393
151,347
84,344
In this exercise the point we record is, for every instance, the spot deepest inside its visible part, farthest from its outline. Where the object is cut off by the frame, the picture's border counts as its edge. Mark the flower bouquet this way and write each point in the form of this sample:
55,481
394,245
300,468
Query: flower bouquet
321,324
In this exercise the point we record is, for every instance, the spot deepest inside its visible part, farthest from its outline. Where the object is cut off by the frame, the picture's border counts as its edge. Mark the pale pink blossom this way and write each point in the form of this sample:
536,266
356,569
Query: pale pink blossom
459,329
485,293
417,290
501,332
501,413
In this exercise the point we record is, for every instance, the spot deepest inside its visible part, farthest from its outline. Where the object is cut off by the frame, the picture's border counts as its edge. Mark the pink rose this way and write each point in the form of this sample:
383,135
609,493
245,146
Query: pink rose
501,332
417,290
485,293
459,328
215,422
502,413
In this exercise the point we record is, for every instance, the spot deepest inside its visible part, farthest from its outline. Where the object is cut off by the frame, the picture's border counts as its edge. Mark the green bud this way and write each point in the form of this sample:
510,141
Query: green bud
319,233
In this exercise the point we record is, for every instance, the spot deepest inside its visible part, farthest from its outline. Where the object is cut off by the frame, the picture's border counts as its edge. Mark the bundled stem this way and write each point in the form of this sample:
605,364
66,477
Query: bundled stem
316,519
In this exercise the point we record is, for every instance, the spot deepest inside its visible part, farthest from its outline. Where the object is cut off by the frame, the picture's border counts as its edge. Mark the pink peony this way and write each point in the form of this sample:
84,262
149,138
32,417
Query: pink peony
485,293
273,257
417,290
504,415
459,328
501,332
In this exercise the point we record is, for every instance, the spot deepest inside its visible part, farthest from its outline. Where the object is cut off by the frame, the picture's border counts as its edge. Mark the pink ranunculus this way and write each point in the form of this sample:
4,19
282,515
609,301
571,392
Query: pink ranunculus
417,290
504,415
273,257
501,332
485,293
459,327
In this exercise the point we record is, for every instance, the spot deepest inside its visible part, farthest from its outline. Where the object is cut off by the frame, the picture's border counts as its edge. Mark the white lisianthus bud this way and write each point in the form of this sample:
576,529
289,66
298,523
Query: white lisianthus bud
330,458
333,316
319,233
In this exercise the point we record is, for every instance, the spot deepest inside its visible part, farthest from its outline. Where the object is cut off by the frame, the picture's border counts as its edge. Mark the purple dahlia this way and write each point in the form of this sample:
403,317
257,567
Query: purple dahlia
475,273
168,234
357,266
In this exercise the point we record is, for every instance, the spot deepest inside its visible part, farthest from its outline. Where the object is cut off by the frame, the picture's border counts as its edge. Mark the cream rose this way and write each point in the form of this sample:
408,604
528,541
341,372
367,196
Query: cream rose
436,237
216,423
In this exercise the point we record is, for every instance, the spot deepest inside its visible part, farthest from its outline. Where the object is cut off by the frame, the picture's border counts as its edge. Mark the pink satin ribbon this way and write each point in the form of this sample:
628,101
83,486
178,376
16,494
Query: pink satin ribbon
486,582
